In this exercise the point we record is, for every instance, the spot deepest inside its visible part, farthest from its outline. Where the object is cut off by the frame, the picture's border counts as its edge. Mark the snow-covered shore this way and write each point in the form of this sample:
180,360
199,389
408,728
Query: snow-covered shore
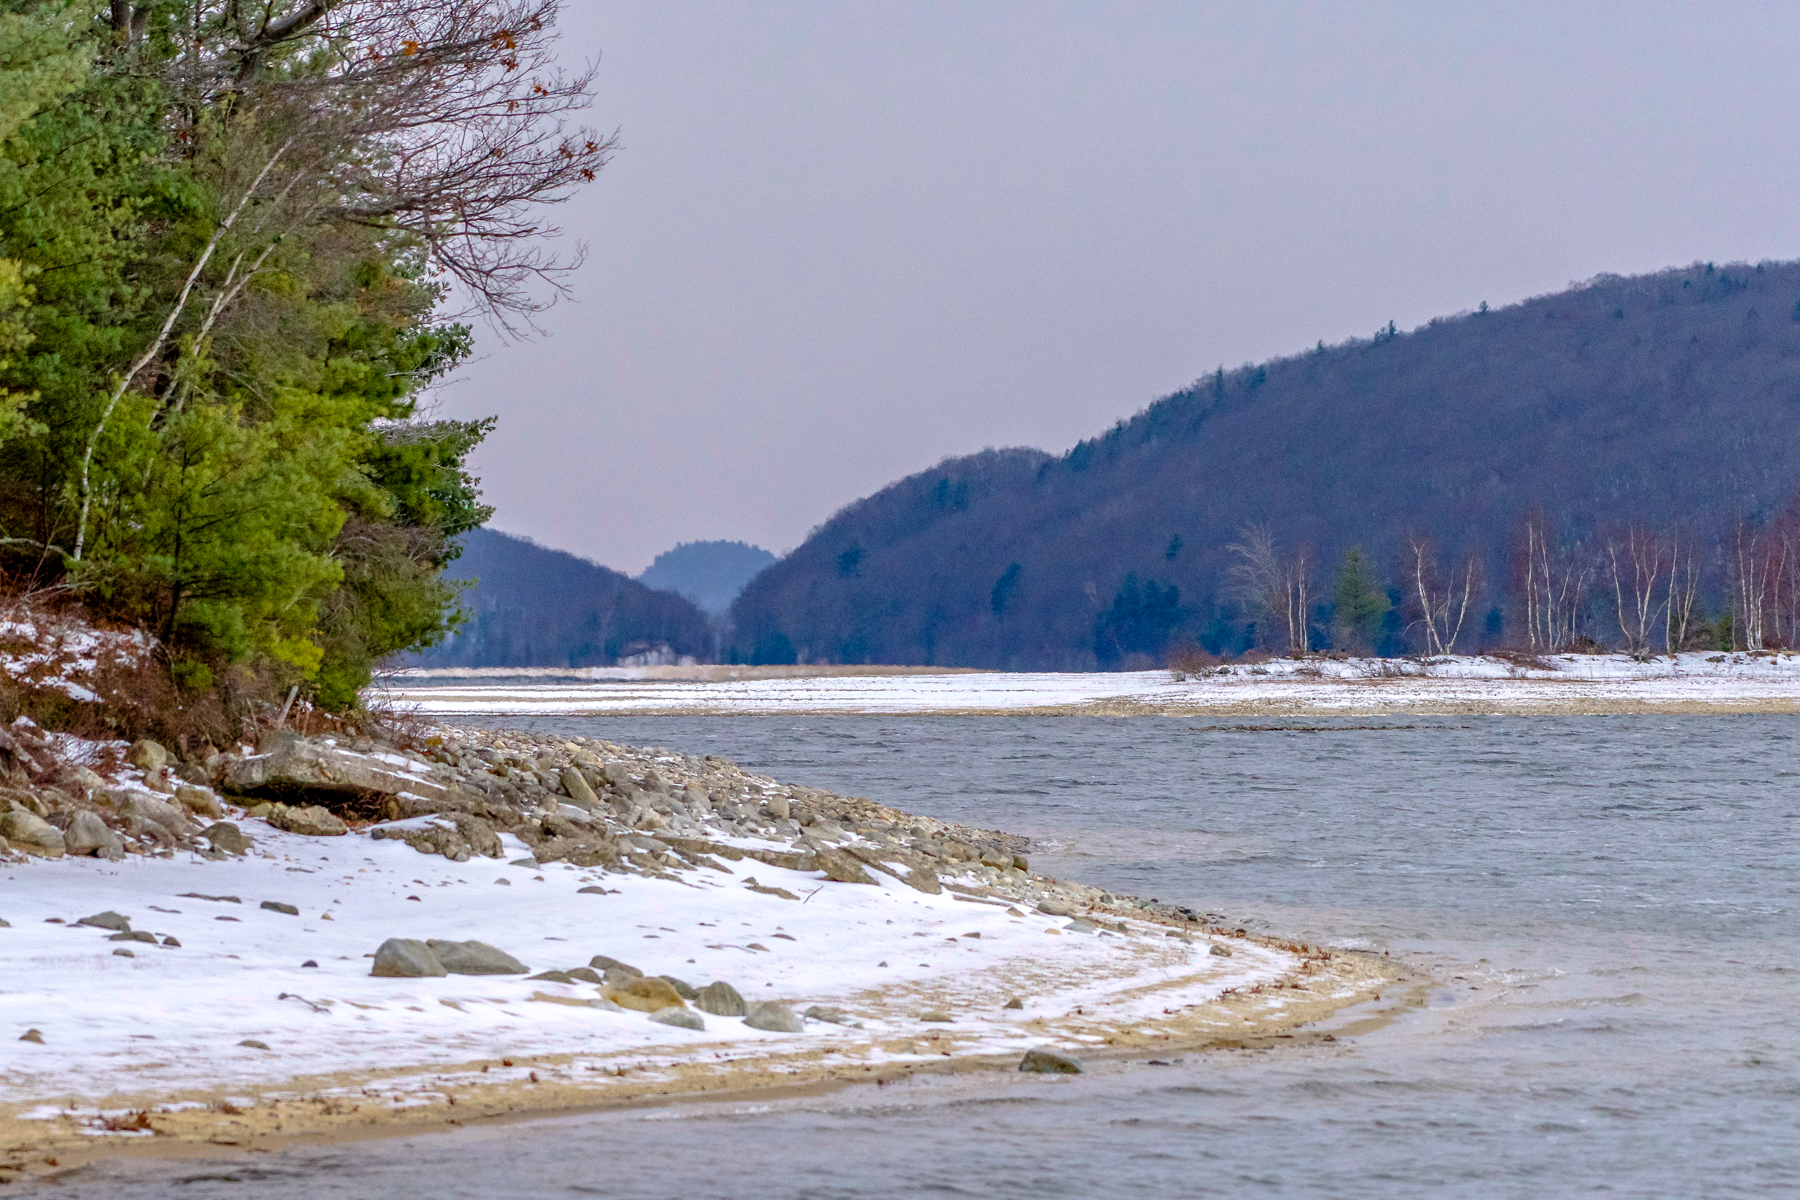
1600,683
259,1023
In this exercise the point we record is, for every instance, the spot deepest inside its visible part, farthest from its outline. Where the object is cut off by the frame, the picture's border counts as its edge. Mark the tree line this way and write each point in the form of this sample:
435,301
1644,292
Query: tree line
240,241
1632,586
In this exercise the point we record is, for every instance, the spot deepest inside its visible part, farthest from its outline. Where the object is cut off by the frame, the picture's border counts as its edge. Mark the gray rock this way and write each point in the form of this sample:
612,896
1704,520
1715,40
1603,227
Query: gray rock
580,794
32,1035
937,1016
720,999
1218,951
254,1044
1057,908
227,837
1081,925
290,764
475,958
155,810
590,890
602,963
108,920
778,805
404,958
619,976
841,867
122,952
682,1018
1048,1062
309,820
586,974
5,924
31,833
147,754
278,906
682,988
134,935
774,1018
555,976
832,1015
88,834
199,801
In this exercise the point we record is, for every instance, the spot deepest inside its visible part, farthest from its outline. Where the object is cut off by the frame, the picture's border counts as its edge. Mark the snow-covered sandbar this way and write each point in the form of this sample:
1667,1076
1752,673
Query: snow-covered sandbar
240,1010
1571,683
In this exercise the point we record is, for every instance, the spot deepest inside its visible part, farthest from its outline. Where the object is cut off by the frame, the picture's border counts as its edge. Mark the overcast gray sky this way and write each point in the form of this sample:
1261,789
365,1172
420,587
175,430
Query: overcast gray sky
842,241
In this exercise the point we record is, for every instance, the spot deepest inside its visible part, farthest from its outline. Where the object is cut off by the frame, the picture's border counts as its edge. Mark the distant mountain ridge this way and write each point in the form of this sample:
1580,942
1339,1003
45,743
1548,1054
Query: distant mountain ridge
711,574
531,606
1672,397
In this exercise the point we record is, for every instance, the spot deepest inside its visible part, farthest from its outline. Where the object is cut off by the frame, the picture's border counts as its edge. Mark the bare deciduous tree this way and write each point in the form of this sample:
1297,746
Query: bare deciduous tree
1279,591
1635,560
1443,600
1555,579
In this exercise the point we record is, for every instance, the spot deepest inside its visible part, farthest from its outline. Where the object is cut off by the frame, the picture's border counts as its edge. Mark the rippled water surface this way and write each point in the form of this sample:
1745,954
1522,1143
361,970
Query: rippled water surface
1611,907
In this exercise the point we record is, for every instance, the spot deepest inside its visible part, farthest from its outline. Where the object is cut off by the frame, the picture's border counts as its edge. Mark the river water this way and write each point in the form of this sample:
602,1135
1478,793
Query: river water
1610,906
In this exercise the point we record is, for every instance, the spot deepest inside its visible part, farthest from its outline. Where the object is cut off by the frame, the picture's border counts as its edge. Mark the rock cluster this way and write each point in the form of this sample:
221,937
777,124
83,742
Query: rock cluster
579,800
106,800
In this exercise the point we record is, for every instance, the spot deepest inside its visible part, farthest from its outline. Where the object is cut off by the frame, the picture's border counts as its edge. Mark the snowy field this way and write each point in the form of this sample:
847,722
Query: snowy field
170,1022
1464,683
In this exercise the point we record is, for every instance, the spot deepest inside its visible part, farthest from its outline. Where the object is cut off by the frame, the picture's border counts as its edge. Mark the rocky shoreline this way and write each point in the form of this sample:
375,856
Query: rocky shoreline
774,929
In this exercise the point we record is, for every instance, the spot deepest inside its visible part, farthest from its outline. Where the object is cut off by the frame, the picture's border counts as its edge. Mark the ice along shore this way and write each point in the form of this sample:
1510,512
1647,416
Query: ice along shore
615,926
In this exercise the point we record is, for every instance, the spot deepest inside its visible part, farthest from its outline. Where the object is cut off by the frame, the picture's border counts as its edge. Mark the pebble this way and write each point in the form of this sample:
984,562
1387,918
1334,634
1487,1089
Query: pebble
278,906
122,952
254,1044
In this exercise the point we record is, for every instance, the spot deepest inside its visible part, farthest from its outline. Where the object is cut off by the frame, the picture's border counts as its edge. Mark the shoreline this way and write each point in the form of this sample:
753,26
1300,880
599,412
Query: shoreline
227,1043
1565,685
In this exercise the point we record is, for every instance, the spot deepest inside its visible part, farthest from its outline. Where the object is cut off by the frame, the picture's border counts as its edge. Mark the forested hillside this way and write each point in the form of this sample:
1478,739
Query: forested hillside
711,574
530,606
1498,471
239,240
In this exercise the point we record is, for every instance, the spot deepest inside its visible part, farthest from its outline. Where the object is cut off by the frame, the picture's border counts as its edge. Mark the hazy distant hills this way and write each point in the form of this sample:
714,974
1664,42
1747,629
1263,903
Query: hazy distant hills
711,574
1673,396
536,607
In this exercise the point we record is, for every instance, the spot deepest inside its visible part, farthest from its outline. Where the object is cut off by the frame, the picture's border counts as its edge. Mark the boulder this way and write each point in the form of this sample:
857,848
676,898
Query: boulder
1047,1062
155,810
586,974
227,837
475,958
31,833
682,988
116,922
832,1015
681,1018
1057,908
278,906
291,765
199,801
774,1018
148,755
580,794
840,867
602,963
1218,951
644,995
720,999
309,820
88,834
404,958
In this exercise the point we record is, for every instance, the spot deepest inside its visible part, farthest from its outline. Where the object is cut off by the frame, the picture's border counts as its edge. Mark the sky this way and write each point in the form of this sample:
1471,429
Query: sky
841,242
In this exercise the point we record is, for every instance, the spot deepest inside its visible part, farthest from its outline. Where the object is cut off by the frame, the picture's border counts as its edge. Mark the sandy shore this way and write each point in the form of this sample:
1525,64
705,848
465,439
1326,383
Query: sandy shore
263,1023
